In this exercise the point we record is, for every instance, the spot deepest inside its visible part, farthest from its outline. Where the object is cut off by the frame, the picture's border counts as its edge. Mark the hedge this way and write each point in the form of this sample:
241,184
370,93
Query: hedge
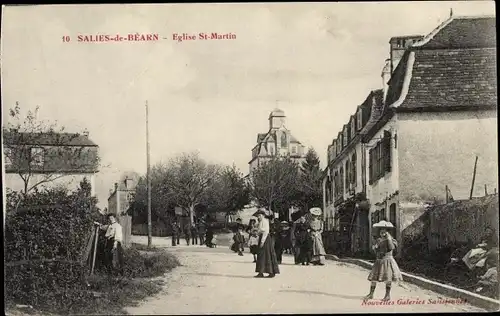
45,241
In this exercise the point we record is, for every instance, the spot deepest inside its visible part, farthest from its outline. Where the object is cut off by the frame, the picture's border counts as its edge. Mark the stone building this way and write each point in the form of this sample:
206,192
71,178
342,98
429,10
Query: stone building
436,112
278,141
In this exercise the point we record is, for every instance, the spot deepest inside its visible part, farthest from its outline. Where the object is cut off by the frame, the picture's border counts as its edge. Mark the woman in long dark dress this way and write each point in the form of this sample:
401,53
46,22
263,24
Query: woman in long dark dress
385,269
266,257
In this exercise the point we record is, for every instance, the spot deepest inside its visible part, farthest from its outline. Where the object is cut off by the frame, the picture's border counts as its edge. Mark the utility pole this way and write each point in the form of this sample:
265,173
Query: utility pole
473,179
148,176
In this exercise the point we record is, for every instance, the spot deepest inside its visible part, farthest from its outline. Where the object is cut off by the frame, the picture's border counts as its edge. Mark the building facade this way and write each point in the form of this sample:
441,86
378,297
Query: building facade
440,113
47,160
118,204
435,113
278,141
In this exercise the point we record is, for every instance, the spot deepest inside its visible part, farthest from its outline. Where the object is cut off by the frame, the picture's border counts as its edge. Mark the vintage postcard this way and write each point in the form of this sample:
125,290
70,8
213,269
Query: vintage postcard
250,158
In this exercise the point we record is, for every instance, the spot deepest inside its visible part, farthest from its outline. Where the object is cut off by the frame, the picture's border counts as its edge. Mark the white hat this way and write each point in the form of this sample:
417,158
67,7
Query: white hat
315,211
383,224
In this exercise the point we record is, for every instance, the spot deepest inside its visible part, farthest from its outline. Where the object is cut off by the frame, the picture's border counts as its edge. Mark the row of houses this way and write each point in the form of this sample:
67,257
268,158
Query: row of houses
418,134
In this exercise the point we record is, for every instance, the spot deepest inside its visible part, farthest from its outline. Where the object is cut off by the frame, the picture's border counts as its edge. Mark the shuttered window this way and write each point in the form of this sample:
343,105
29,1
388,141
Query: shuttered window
380,158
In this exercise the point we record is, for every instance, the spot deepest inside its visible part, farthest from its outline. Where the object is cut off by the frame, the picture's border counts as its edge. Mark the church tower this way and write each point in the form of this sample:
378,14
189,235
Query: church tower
276,119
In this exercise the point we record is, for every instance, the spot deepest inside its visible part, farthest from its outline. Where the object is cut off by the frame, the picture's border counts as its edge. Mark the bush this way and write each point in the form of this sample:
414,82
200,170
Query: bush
144,264
46,234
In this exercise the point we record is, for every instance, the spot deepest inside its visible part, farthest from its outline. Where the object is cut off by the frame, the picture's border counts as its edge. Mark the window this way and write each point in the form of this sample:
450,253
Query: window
345,136
353,169
380,158
284,142
37,156
341,181
271,150
353,126
392,214
347,174
359,118
334,148
7,152
294,150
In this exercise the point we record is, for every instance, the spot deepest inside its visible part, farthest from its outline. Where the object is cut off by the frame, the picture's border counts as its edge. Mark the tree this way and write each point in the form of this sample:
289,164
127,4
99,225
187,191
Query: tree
311,192
275,184
228,193
186,180
24,139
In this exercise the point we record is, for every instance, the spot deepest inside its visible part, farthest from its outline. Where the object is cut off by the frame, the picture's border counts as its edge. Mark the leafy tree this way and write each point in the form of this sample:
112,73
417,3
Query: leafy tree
275,184
24,138
228,193
310,184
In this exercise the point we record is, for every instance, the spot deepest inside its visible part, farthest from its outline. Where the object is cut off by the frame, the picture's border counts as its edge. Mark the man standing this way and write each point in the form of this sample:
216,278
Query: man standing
194,234
201,232
113,247
187,233
175,233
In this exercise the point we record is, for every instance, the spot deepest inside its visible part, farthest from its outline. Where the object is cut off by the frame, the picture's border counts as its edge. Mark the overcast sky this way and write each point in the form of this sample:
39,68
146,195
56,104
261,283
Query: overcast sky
317,62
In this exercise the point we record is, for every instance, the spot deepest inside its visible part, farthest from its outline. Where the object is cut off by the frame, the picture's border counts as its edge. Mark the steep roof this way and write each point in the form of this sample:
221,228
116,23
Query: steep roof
454,67
47,139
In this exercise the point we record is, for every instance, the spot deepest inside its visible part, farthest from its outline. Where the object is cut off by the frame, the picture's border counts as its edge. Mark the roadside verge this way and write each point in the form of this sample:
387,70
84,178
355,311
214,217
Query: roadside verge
472,298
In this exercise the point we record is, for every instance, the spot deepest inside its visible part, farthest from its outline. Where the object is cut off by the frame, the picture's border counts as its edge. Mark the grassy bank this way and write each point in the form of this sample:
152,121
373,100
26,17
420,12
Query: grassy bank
103,294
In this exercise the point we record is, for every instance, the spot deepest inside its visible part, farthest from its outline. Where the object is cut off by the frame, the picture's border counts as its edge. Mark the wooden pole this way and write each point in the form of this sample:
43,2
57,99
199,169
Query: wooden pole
447,197
148,176
485,190
473,179
95,249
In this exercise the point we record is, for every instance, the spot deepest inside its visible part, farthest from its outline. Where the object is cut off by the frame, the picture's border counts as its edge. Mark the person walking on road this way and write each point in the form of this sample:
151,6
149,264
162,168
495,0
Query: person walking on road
385,269
175,233
187,233
316,229
201,232
194,234
266,257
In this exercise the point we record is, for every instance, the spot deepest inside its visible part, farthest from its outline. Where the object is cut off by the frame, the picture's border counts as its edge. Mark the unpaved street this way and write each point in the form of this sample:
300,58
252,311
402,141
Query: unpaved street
218,281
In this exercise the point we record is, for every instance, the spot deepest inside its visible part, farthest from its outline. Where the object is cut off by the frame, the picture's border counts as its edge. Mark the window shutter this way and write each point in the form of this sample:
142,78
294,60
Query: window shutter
387,151
353,178
370,166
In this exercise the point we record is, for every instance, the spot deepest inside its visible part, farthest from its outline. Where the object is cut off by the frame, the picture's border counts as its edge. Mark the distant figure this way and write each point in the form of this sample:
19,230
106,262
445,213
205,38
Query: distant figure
194,234
210,236
253,238
238,241
304,242
201,232
316,227
175,233
214,241
187,233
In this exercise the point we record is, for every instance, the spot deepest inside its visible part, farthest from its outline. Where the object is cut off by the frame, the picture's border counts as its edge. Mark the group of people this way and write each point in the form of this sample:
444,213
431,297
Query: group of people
268,239
194,233
303,239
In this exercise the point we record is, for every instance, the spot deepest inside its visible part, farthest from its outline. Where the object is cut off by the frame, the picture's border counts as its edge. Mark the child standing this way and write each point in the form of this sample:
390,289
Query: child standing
385,269
253,239
214,241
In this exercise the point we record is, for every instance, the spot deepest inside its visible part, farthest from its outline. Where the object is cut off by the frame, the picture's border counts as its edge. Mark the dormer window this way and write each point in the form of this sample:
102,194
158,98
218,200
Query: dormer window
359,119
353,126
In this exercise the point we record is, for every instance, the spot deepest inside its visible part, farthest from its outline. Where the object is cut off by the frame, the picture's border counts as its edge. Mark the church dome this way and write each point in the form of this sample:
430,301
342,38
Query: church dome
277,112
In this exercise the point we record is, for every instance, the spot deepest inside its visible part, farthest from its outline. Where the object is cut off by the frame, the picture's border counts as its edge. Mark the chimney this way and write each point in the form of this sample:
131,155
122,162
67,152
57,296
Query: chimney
116,186
398,46
86,133
386,76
